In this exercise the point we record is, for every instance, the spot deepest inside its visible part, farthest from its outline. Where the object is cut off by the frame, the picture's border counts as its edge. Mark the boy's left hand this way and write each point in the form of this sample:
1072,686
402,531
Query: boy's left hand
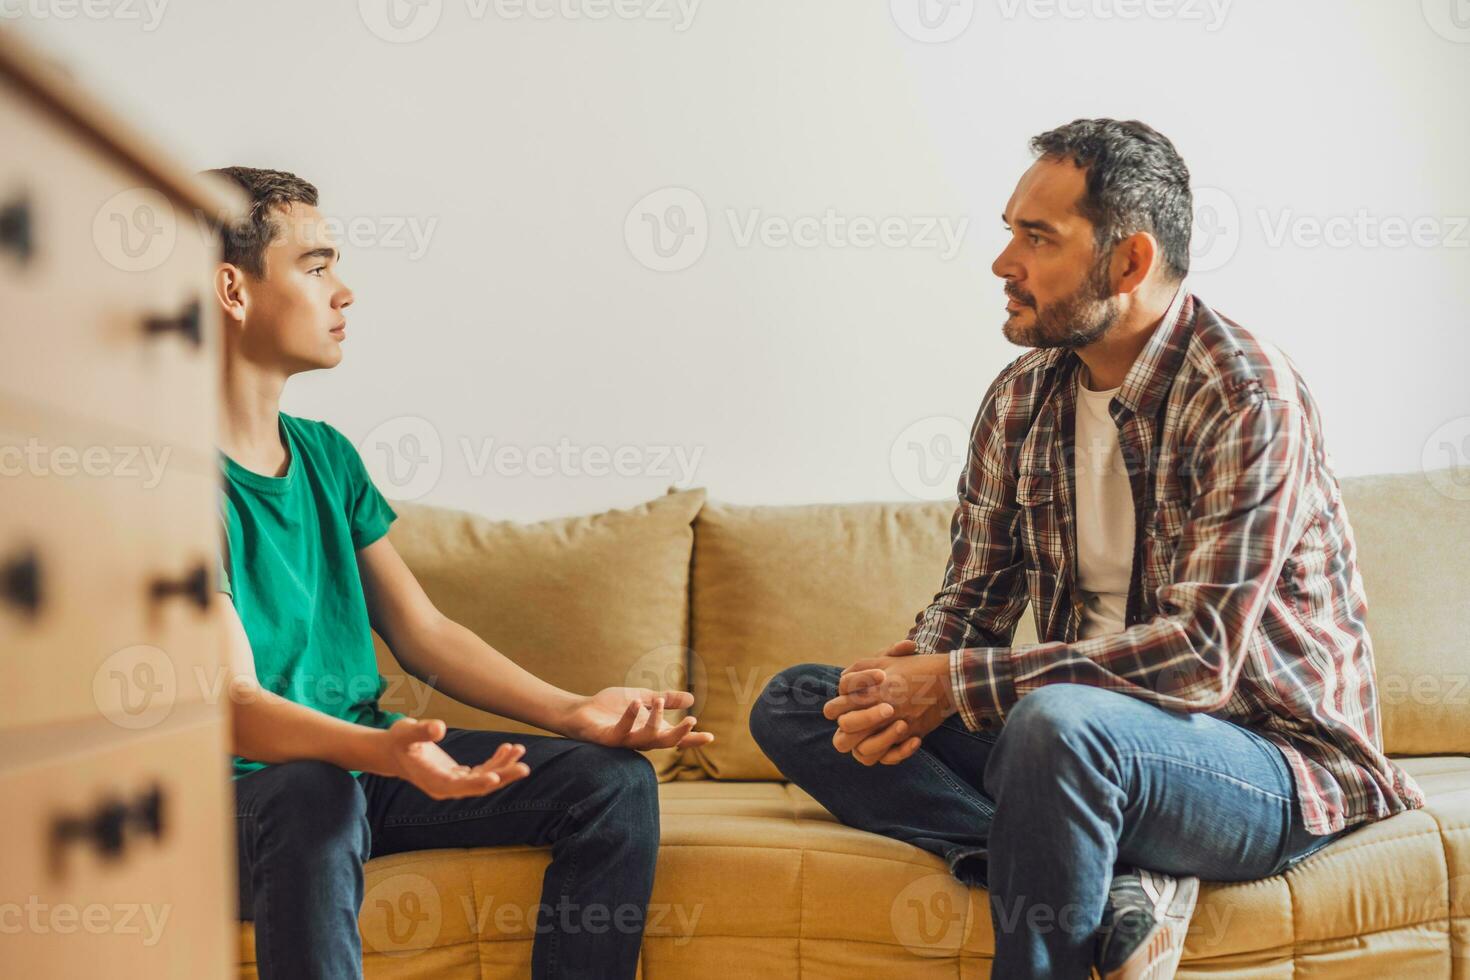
633,718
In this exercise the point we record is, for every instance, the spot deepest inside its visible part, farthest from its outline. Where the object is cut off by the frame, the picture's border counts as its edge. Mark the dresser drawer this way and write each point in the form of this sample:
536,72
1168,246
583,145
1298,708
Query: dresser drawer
103,287
118,855
104,579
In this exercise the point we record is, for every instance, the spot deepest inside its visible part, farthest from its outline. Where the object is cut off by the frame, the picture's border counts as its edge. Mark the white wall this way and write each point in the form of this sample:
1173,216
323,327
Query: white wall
794,374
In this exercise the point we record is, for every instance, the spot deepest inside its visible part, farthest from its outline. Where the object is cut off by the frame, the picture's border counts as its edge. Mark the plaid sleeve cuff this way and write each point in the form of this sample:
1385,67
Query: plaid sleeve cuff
984,690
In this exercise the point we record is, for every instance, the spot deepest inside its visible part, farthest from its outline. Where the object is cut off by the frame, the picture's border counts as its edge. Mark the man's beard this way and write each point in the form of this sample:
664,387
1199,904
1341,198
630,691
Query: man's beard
1072,322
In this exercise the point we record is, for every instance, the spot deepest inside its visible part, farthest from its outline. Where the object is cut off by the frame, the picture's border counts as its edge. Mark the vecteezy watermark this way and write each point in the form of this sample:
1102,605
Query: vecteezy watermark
1216,229
1424,690
671,667
565,458
1209,13
1445,458
138,686
410,234
143,919
928,456
148,13
663,920
1450,19
404,913
932,21
135,230
406,21
406,455
1219,226
39,459
941,233
1364,229
668,230
929,914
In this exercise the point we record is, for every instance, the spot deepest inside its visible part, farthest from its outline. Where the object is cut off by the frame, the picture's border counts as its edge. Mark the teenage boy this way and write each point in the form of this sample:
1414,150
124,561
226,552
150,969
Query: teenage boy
324,777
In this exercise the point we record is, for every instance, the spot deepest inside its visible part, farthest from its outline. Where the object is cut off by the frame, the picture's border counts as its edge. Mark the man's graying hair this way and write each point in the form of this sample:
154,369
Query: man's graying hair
1136,181
245,239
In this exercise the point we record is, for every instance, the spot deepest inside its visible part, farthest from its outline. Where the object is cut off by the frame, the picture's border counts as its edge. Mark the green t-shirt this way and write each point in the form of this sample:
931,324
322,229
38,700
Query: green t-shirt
291,571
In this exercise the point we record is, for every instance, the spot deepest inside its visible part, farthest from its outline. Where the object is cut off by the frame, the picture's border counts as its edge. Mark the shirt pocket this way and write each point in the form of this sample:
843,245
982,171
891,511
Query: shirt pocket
1040,533
1161,535
1041,544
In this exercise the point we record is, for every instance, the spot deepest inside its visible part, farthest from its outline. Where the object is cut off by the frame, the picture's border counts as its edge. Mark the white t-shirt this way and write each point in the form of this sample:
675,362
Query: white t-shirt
1104,515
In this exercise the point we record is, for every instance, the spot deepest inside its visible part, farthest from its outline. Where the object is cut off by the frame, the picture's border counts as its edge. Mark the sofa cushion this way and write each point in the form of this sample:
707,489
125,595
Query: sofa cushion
584,602
1413,535
758,880
776,586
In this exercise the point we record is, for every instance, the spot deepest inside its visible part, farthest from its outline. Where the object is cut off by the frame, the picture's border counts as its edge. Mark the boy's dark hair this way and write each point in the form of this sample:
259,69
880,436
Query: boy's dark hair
1136,181
245,239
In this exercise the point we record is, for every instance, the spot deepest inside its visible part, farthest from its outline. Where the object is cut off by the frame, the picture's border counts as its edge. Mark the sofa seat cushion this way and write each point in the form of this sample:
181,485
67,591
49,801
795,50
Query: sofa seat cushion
756,879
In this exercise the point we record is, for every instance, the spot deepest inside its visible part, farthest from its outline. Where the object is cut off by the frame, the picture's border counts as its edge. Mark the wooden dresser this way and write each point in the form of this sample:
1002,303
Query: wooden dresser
116,813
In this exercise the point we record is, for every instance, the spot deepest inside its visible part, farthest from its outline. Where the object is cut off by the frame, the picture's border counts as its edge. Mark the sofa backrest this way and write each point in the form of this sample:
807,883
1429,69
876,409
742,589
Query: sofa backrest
610,599
1413,537
775,586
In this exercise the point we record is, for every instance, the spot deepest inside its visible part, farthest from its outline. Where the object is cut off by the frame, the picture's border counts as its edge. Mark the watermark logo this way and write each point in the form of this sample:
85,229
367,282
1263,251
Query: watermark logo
928,456
135,230
144,920
1364,229
1210,13
667,230
1445,458
671,667
928,915
1450,19
1216,232
944,234
136,687
404,454
408,914
932,21
149,13
677,464
35,458
400,21
406,21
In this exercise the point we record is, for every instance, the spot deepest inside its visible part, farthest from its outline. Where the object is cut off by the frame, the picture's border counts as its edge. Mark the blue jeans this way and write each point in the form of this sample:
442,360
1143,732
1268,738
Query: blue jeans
1077,783
306,827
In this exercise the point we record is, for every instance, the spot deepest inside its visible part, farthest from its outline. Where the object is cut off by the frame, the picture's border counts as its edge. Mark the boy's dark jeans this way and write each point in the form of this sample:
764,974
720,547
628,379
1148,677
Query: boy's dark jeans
305,828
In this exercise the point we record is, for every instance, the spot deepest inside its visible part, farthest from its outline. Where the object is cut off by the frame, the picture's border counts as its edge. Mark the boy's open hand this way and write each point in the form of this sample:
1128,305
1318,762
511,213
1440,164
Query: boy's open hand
412,754
633,718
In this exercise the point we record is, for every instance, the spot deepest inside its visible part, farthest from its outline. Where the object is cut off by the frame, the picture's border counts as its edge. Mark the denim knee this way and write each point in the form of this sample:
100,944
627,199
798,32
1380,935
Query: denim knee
1054,720
619,778
314,806
796,691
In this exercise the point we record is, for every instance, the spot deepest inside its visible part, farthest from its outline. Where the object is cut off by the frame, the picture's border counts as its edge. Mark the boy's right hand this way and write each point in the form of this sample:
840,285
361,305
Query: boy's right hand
410,753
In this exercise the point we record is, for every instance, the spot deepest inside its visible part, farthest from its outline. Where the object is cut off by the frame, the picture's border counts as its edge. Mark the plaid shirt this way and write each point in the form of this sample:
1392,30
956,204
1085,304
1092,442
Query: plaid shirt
1245,603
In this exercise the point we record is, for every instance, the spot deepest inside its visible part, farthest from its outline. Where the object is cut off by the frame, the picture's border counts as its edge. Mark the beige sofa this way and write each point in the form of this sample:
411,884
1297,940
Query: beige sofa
755,879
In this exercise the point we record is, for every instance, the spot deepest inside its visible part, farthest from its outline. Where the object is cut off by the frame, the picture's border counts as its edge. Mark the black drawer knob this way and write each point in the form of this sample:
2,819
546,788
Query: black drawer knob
109,827
20,582
188,323
194,585
15,229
